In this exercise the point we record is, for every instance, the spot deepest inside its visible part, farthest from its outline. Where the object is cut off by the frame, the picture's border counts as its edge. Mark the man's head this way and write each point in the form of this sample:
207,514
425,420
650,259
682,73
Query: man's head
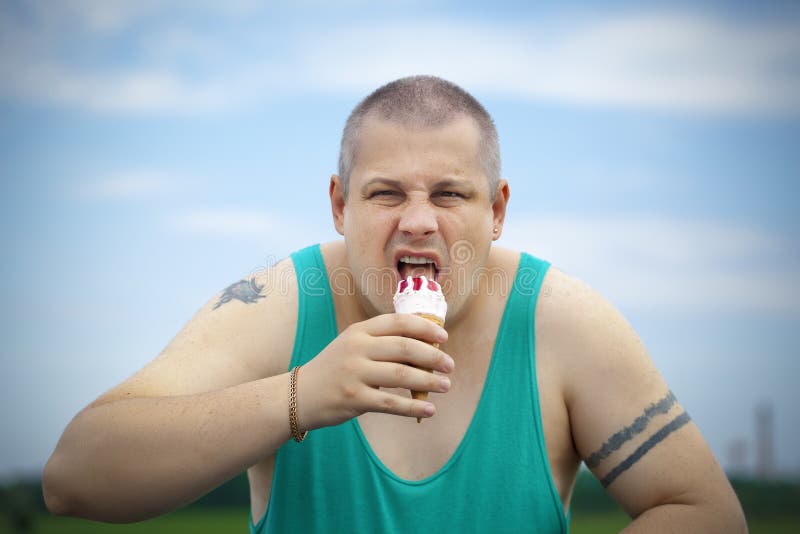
421,102
419,200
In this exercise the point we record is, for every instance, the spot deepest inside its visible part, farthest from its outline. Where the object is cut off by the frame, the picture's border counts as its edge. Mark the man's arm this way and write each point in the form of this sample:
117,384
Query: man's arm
156,441
628,426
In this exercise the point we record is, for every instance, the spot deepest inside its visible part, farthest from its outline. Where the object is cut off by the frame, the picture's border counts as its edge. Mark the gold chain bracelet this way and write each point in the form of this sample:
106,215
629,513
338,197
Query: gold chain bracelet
296,434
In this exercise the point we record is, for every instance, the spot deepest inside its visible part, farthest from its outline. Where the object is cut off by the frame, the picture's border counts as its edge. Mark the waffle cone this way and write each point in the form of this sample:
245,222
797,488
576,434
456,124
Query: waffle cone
423,395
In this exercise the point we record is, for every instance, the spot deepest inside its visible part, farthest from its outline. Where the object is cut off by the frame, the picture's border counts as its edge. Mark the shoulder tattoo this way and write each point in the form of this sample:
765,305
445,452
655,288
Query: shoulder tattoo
247,291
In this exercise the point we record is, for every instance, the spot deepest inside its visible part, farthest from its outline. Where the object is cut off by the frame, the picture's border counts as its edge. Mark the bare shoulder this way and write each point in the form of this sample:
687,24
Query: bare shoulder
243,333
596,356
588,333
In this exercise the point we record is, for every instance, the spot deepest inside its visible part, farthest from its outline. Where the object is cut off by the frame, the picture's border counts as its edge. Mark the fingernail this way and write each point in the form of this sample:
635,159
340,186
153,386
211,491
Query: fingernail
449,364
429,409
442,336
445,383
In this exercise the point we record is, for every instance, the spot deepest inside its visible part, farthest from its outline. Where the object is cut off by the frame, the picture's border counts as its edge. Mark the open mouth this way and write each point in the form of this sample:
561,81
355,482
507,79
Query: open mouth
417,266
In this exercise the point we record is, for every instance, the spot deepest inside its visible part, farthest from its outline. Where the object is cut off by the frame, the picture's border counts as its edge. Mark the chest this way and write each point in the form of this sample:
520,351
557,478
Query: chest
414,451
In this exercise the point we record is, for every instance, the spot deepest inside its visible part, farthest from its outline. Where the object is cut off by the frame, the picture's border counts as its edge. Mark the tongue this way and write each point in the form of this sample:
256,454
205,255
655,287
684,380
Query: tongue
409,269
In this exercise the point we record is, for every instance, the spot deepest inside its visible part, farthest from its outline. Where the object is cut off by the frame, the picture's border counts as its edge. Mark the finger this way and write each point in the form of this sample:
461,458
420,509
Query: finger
406,325
411,351
385,402
398,375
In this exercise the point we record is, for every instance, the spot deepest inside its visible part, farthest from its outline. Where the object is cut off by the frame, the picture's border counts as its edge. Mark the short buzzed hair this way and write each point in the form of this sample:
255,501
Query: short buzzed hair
421,102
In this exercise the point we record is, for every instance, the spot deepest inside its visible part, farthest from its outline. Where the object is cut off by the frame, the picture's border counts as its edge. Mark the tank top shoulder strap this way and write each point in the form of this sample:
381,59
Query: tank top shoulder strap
316,318
524,295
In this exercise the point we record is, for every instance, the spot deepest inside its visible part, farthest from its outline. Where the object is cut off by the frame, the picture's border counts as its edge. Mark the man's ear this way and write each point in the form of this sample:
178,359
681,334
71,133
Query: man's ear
337,203
499,208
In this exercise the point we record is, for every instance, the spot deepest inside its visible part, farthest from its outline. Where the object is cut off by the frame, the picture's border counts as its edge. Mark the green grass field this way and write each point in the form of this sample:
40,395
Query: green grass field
219,520
608,522
208,521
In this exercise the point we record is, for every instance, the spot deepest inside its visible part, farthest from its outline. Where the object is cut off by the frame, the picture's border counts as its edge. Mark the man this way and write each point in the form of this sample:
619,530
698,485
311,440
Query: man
535,372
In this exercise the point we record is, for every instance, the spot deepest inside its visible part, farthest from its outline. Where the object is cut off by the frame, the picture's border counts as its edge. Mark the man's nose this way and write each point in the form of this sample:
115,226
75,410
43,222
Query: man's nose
418,219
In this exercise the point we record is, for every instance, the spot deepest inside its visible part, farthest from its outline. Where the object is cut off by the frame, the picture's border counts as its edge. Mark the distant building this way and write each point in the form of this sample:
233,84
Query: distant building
765,458
737,457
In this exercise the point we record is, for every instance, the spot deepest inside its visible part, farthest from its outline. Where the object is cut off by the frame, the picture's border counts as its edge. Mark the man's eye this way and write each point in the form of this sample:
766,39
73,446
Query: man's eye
449,194
385,196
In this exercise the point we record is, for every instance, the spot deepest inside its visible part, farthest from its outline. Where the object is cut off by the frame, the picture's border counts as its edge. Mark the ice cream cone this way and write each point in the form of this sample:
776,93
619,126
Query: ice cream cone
422,297
423,395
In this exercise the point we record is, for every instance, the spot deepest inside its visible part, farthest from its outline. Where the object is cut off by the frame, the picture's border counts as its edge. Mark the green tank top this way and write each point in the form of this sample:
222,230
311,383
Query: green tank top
498,479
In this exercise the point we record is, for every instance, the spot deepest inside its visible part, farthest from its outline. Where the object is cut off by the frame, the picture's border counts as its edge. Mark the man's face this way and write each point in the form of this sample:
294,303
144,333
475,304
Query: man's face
418,204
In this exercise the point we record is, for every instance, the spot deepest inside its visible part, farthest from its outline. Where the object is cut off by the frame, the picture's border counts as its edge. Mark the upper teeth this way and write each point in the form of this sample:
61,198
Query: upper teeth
415,259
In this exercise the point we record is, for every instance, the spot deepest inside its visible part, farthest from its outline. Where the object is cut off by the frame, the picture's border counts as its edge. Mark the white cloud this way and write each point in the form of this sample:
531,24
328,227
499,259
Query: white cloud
650,262
234,223
101,16
266,229
140,184
661,60
670,61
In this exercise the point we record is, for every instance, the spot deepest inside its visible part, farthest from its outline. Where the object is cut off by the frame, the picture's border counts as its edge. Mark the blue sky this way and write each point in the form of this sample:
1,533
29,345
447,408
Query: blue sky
151,153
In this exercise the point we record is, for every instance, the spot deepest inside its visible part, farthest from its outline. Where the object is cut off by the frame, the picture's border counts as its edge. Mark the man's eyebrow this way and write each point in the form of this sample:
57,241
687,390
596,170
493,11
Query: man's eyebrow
453,182
379,180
